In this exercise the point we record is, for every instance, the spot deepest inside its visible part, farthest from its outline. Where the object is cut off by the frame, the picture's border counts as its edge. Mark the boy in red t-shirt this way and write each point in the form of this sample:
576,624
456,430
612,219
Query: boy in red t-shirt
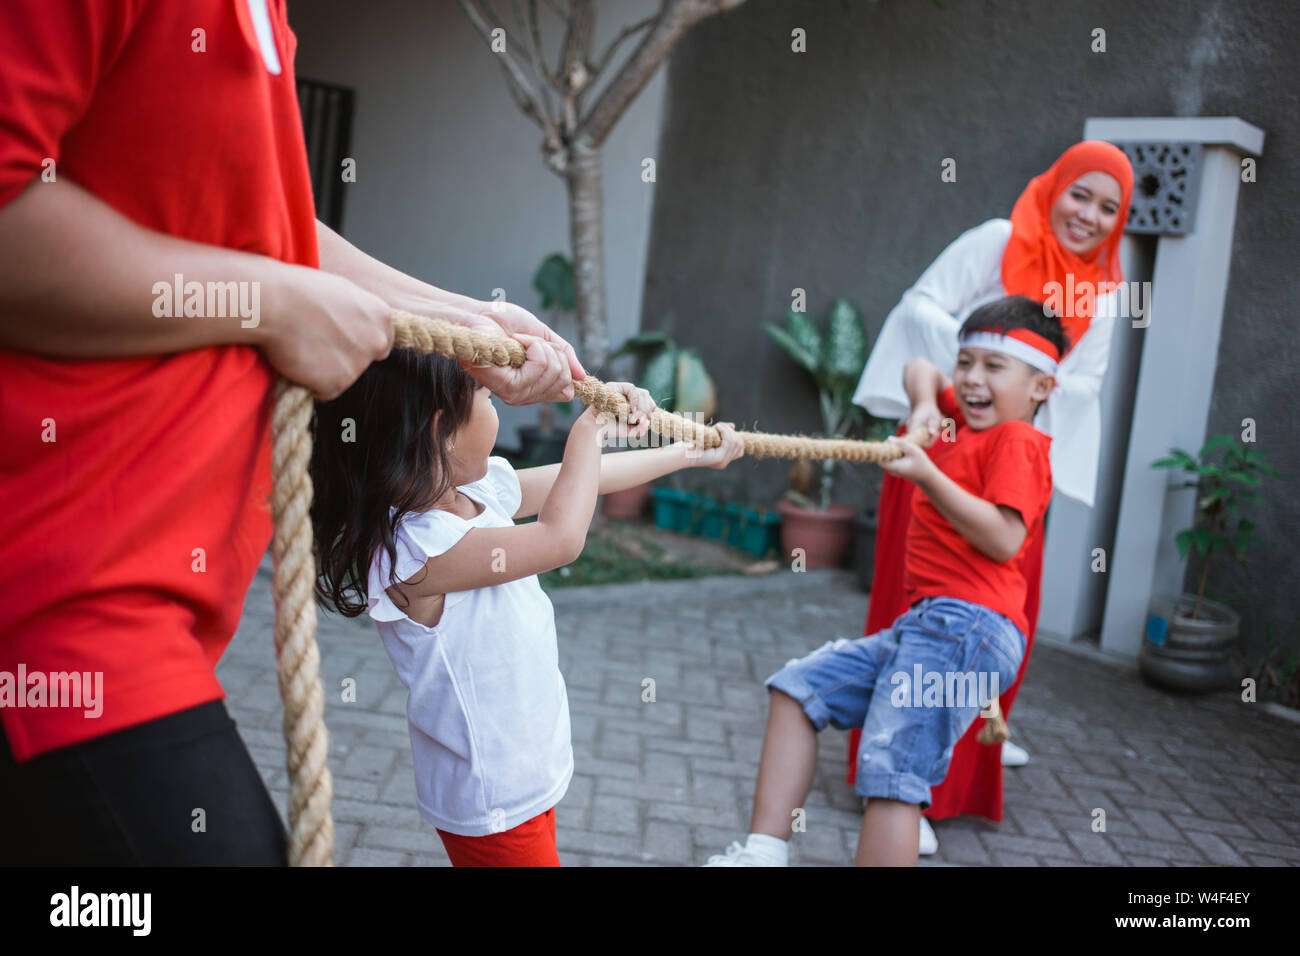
915,687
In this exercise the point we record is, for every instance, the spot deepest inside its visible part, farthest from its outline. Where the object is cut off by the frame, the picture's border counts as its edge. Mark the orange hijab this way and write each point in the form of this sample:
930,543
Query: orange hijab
1034,257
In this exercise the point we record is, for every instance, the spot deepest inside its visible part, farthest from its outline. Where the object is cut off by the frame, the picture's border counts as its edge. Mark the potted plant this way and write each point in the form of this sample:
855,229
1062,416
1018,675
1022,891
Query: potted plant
1279,671
1190,640
678,382
671,507
809,518
743,525
543,443
754,530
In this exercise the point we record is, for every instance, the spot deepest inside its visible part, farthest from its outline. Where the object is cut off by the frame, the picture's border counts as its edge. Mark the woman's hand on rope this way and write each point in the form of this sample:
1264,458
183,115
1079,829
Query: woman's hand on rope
543,377
512,318
324,330
927,414
732,447
537,381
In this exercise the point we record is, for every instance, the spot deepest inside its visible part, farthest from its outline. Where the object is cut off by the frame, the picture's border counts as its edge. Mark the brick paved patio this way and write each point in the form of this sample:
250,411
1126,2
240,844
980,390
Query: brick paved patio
1184,781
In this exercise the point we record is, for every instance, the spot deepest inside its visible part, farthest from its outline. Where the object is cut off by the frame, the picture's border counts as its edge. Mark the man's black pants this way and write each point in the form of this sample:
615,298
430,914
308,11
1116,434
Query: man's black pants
177,791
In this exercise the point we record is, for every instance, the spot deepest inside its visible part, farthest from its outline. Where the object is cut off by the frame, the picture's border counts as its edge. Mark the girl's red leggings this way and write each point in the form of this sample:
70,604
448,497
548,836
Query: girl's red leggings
532,843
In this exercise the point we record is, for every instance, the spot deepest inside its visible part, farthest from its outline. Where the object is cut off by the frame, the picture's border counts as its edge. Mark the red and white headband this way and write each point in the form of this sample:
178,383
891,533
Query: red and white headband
1030,347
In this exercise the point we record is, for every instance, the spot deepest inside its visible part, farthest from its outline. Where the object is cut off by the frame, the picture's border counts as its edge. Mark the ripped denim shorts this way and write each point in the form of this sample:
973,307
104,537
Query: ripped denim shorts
914,689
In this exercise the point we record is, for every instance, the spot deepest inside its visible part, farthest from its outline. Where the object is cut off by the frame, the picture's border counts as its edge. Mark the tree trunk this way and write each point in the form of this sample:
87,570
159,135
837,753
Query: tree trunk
572,143
583,179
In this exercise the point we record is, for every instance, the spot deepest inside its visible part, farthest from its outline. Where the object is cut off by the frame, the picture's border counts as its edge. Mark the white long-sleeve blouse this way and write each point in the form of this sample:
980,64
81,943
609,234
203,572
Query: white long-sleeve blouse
966,275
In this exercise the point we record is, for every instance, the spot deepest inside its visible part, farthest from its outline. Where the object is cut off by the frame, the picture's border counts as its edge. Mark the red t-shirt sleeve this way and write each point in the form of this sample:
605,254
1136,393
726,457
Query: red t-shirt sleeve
54,53
948,406
1018,472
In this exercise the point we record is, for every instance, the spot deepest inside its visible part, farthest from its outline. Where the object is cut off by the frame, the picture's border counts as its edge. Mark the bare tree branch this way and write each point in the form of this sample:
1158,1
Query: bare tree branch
536,60
578,38
551,79
535,31
573,61
525,104
521,23
573,143
622,35
675,18
525,95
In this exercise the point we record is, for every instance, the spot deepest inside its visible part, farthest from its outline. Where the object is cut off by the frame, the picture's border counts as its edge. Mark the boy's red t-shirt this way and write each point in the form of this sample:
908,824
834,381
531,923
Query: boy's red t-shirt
1007,464
135,491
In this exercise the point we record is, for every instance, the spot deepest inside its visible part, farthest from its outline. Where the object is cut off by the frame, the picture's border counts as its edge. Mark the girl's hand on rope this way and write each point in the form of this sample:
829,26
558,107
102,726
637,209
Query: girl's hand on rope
324,330
595,422
915,465
640,405
732,447
927,414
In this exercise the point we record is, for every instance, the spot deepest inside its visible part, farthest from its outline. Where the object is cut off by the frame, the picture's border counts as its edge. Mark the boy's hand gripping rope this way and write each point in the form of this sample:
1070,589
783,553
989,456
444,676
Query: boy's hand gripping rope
311,828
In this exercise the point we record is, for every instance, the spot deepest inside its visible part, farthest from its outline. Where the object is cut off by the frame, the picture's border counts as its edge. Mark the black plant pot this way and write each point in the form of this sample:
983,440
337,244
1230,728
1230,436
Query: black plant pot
1185,653
537,447
864,548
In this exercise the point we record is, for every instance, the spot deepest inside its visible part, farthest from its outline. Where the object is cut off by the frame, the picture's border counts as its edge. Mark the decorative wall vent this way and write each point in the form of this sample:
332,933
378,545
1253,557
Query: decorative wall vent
1166,177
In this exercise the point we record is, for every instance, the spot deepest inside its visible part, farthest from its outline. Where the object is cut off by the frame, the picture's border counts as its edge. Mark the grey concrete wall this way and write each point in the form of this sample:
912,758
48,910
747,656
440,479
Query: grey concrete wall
450,185
821,170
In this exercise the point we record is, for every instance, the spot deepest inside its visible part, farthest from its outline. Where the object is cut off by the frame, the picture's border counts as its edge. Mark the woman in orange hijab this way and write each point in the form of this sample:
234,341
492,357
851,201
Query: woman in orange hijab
1060,247
1053,237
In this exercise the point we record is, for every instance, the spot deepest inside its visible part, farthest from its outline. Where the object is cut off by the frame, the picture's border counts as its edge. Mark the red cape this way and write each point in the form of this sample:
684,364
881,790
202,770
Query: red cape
974,781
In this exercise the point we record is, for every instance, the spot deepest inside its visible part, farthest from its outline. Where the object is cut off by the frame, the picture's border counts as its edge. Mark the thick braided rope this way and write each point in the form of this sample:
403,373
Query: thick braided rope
311,828
472,345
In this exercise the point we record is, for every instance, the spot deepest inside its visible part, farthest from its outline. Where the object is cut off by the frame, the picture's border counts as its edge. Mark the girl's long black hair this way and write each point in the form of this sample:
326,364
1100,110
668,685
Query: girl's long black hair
374,447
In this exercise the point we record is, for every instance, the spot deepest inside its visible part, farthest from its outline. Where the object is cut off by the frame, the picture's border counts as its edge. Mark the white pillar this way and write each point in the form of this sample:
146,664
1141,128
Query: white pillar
1073,594
1180,349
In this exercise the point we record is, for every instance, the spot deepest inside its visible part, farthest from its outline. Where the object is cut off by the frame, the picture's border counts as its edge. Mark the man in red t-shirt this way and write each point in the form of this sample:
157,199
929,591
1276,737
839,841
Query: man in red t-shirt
915,687
160,262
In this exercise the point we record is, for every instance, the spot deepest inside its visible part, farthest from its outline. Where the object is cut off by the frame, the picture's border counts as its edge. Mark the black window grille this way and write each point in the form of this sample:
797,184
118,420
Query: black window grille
327,128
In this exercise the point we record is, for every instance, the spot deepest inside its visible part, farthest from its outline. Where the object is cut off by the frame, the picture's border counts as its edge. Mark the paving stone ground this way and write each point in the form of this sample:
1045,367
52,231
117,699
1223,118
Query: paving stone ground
1183,781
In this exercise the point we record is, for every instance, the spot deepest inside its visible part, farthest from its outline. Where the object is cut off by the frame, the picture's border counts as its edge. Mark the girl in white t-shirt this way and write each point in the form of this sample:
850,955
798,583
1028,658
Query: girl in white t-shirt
414,520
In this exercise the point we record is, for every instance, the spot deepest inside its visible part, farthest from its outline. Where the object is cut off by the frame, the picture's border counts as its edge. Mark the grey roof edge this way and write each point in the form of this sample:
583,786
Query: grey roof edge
1231,131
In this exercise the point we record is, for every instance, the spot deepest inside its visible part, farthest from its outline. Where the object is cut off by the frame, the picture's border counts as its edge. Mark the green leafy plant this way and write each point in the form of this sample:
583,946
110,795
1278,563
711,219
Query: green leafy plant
1280,670
674,376
1221,488
554,281
835,359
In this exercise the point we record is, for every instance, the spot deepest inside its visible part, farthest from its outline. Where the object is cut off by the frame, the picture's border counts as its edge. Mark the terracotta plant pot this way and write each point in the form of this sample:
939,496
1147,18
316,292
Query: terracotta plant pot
824,536
628,503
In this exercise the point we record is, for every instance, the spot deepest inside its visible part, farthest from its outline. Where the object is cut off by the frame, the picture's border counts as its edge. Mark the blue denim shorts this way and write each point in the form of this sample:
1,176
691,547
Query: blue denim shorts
914,688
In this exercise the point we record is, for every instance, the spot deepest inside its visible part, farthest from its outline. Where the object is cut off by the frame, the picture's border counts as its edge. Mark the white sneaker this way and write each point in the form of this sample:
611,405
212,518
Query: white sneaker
738,855
1013,756
929,842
